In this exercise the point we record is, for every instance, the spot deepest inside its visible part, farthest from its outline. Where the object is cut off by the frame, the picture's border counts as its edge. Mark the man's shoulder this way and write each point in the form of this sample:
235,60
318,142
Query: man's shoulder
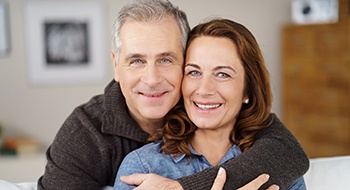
95,104
88,112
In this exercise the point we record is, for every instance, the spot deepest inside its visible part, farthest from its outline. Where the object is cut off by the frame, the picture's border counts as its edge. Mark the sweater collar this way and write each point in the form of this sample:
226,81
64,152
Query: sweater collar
116,113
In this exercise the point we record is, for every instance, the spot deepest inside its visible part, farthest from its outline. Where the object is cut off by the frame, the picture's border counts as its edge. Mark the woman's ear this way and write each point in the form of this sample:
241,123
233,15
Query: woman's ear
115,66
245,100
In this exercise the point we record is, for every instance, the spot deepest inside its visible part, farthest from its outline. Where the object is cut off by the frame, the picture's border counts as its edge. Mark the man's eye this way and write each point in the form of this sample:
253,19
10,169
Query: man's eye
165,61
136,62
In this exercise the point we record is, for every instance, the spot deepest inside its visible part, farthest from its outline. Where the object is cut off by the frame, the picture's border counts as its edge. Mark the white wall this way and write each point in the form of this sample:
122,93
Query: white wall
39,111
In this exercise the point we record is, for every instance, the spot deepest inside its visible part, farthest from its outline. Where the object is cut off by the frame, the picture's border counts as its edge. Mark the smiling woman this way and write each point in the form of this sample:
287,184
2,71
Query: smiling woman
213,84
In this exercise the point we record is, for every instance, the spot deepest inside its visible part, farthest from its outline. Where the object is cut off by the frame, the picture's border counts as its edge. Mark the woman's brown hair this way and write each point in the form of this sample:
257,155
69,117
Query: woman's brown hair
179,130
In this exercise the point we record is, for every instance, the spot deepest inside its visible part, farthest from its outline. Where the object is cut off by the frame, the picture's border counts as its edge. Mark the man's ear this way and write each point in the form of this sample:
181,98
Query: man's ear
115,66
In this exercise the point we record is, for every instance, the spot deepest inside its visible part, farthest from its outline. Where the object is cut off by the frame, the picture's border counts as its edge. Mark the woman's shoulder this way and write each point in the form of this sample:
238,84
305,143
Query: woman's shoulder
141,159
148,149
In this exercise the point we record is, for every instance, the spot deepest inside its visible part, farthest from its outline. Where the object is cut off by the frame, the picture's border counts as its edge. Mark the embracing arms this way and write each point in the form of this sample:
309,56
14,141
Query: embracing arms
275,152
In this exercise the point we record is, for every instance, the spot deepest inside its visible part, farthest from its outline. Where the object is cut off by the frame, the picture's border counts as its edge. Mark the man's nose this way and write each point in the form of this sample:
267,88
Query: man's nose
152,75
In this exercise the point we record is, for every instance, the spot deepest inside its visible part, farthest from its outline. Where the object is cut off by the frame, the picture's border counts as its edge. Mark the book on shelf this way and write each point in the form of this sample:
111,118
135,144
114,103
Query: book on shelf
19,146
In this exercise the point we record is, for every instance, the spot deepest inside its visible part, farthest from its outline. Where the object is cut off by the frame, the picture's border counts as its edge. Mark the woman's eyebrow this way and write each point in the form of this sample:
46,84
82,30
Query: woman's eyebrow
224,67
215,69
192,65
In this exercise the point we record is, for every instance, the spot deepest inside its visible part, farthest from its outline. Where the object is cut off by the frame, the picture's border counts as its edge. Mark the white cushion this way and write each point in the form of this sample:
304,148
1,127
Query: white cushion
27,186
328,173
18,186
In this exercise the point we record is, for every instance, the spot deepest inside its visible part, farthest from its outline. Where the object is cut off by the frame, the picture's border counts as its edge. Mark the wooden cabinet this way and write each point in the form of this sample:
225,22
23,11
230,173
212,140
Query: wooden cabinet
316,86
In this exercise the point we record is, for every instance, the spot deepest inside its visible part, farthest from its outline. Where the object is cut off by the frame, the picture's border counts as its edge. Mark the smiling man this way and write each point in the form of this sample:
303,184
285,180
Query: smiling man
149,69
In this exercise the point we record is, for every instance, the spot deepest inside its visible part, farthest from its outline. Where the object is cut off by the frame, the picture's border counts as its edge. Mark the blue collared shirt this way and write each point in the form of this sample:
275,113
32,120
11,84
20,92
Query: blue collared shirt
149,159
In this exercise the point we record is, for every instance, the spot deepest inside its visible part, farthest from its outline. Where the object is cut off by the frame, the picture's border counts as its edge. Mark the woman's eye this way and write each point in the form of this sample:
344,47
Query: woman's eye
223,75
194,73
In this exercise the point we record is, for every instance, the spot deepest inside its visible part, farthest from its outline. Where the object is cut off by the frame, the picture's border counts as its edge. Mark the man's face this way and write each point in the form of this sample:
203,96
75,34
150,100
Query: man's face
149,68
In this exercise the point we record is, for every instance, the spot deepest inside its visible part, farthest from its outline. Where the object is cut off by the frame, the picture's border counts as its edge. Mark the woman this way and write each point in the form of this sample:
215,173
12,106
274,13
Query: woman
226,102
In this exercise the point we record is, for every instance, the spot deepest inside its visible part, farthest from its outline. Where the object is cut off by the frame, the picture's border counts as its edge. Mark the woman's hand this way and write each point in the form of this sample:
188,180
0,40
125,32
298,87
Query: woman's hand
253,185
151,181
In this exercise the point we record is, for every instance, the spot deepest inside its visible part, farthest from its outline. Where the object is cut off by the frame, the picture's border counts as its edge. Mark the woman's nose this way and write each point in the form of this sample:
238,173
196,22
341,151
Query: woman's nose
206,87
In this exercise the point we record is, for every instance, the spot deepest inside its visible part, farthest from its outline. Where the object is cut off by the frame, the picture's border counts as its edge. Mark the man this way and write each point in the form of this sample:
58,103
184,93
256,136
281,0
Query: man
148,55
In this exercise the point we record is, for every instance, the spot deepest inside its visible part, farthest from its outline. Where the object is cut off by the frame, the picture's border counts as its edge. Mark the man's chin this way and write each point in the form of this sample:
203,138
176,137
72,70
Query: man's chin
155,114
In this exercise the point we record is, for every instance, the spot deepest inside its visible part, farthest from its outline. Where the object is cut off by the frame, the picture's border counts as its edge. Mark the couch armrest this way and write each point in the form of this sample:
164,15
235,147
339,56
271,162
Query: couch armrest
328,173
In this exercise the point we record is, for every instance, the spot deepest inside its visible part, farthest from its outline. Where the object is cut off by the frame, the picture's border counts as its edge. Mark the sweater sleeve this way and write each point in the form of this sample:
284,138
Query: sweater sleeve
275,152
74,161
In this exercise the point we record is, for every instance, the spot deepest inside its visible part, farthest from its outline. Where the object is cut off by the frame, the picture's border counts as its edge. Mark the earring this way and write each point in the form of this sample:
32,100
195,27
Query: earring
246,101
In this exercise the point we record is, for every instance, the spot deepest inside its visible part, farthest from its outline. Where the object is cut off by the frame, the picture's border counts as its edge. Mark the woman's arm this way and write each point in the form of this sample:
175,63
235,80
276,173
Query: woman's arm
275,152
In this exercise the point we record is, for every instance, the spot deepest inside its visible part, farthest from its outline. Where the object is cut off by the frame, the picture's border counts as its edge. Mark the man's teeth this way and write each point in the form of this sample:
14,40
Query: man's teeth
206,107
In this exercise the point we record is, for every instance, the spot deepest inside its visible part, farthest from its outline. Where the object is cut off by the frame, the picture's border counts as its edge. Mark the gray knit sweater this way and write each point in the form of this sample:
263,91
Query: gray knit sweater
92,142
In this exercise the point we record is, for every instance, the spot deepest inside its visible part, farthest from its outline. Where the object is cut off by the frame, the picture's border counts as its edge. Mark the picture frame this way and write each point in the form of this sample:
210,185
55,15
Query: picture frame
315,11
65,42
4,29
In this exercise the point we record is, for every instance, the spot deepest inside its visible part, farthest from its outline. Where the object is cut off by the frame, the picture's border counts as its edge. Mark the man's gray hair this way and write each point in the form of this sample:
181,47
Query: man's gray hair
148,10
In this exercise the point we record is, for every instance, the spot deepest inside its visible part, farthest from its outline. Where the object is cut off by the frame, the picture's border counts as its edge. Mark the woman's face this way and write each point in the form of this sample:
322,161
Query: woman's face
213,83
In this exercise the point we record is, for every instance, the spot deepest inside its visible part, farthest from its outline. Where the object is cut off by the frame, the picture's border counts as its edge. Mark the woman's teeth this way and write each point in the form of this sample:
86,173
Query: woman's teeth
207,106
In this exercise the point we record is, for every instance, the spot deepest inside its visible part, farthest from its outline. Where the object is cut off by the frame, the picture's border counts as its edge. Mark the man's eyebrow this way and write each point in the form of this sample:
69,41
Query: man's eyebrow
134,56
161,55
168,54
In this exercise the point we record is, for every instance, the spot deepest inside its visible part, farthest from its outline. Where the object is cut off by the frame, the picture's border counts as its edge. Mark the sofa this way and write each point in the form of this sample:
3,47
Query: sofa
324,174
331,173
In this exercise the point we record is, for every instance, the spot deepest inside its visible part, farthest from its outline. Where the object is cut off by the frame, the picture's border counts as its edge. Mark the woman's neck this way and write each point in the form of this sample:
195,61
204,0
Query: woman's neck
211,144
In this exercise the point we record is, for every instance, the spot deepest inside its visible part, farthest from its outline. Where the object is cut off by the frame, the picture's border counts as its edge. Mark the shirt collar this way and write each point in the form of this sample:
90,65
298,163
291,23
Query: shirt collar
231,153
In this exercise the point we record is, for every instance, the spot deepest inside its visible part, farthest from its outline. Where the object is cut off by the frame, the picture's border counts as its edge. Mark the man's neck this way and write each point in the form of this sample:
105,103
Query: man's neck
151,126
148,125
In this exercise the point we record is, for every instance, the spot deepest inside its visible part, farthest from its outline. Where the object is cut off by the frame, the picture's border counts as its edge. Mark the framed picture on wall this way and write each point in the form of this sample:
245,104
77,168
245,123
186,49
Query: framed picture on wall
65,42
4,29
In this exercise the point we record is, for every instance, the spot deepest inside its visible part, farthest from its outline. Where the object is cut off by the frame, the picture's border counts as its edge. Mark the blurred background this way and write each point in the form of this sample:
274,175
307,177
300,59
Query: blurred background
305,43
